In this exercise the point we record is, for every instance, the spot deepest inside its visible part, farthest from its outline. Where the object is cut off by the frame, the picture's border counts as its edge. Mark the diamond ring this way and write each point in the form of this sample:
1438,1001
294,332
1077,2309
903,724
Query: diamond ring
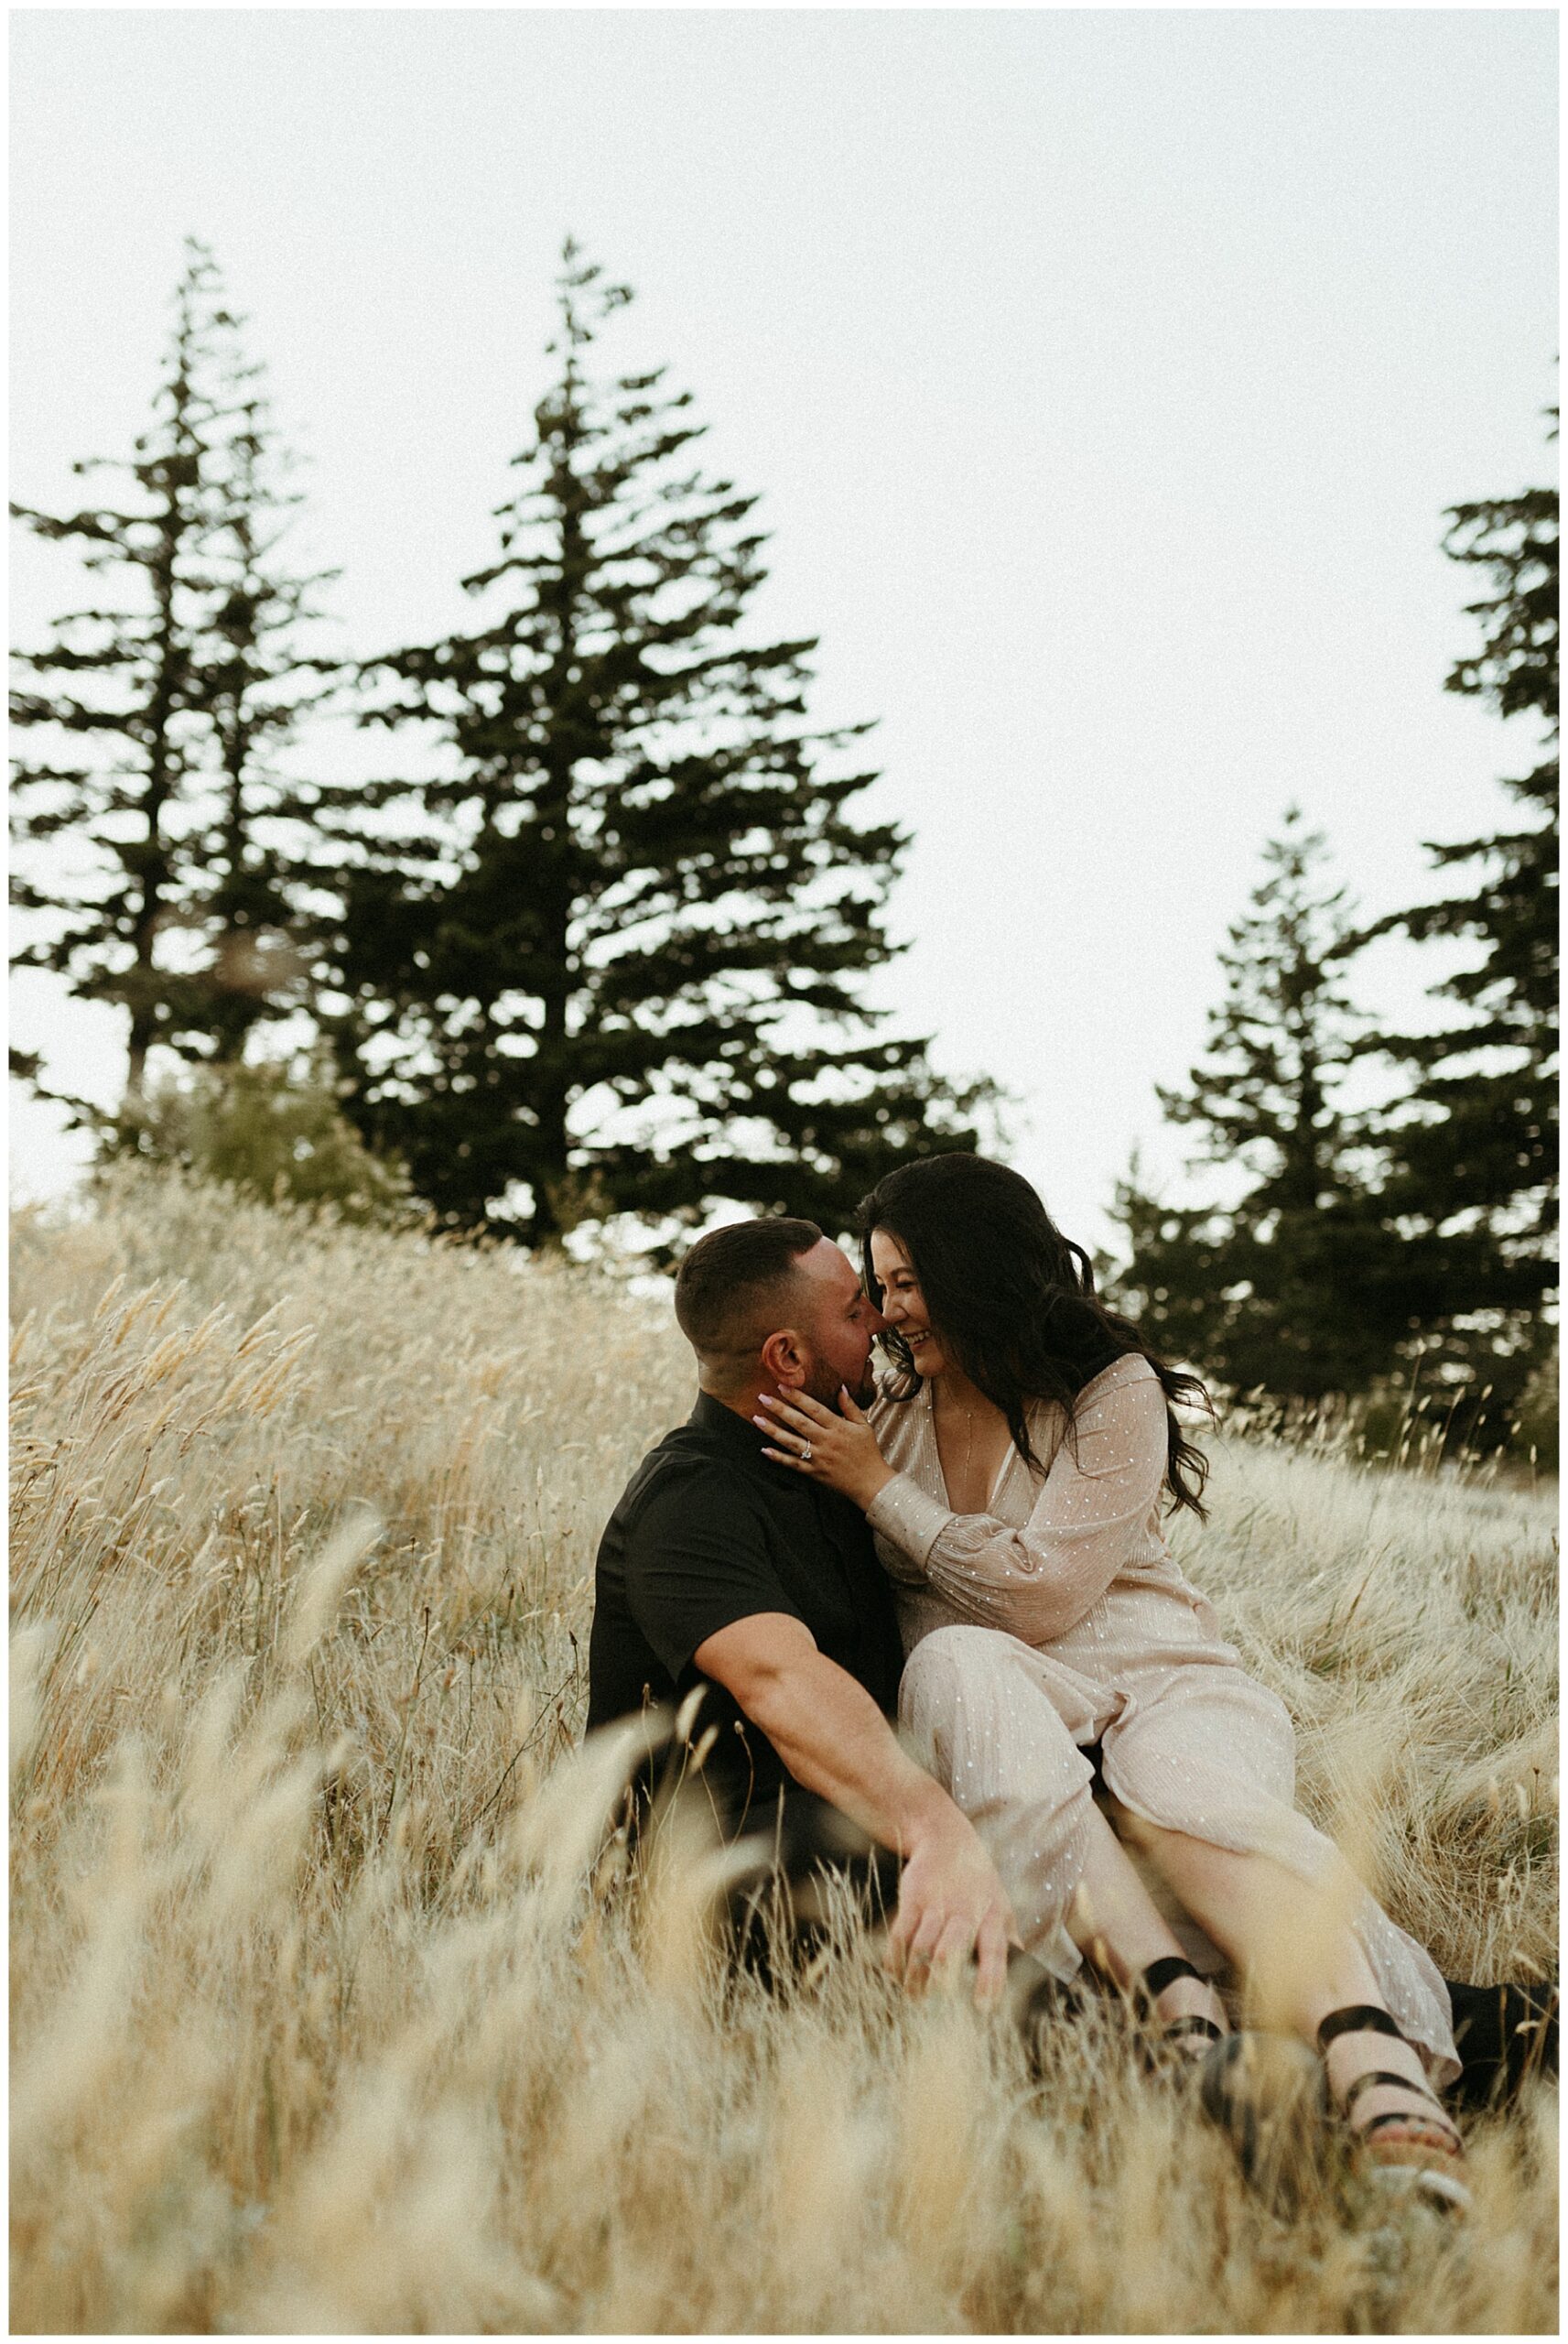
806,1454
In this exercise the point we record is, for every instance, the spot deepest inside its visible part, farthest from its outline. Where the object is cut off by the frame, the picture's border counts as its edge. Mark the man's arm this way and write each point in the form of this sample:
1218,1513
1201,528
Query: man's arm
834,1740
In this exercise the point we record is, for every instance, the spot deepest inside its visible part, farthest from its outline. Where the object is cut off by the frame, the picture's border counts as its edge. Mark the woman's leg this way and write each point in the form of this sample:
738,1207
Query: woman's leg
1291,1940
1118,1929
977,1705
1203,1766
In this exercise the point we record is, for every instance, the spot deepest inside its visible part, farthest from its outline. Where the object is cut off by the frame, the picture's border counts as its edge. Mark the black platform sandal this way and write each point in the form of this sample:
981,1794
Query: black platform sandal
1268,2093
1038,2002
1186,2040
1433,2166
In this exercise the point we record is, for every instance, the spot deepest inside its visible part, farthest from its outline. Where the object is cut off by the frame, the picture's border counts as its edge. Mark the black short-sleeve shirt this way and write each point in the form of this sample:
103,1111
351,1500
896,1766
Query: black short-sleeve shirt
708,1532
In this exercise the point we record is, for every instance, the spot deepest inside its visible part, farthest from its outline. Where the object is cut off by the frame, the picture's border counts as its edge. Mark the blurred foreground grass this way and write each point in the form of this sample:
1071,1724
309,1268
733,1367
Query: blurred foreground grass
327,2014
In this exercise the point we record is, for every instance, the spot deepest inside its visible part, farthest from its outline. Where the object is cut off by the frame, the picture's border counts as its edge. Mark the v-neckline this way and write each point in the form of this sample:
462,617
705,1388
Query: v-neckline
1009,1453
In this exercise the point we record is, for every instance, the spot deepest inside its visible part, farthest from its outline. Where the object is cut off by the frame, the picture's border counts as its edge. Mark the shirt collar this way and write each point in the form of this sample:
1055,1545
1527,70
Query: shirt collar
711,1416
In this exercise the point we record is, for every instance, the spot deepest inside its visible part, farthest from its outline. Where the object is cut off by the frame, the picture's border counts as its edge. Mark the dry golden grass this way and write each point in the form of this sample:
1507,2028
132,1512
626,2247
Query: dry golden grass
323,2017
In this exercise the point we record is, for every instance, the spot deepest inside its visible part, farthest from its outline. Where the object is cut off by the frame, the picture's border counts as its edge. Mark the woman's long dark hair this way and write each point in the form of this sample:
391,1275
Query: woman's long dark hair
1012,1301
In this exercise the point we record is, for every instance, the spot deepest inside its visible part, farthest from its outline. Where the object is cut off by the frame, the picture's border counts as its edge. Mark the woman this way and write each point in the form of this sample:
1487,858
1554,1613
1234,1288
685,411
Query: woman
1012,1475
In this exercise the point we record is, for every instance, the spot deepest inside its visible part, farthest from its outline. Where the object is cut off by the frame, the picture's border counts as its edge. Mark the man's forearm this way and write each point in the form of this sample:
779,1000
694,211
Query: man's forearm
836,1742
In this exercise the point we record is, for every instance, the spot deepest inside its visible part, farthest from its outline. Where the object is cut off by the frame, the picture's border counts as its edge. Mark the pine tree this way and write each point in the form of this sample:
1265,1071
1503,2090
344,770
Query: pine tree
268,878
1473,1161
1296,1286
614,963
156,705
1481,1141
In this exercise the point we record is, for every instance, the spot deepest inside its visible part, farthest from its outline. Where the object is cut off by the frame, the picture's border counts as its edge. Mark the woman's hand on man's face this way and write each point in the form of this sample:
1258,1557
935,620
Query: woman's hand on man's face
838,1450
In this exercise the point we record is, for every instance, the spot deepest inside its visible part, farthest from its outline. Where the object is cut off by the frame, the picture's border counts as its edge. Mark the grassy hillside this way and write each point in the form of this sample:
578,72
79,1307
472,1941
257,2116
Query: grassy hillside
323,2018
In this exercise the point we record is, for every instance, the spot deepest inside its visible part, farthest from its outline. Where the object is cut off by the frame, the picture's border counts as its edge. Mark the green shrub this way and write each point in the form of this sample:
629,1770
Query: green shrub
274,1131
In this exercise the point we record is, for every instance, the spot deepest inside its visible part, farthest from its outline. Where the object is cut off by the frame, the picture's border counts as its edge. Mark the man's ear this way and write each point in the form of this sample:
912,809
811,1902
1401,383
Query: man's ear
785,1359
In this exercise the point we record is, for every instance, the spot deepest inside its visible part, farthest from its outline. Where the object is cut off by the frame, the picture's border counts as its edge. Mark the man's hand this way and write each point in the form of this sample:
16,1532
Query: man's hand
950,1904
840,1450
834,1739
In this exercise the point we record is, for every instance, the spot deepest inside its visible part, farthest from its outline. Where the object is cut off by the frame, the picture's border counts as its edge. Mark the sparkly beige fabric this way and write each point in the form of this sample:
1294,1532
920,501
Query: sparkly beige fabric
1058,1619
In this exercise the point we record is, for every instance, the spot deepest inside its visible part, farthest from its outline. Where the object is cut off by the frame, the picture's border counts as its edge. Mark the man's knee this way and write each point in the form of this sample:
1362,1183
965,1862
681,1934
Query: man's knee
778,1915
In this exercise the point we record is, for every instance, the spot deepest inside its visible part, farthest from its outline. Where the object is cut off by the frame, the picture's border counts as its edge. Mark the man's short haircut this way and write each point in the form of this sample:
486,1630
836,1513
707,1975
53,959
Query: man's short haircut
731,1291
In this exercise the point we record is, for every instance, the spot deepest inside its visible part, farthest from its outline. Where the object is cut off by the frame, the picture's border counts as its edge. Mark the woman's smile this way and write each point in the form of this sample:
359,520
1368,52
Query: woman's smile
892,1271
925,1349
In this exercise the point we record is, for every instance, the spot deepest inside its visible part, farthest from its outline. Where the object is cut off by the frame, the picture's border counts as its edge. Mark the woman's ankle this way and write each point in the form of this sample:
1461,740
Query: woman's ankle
1352,2054
1191,1998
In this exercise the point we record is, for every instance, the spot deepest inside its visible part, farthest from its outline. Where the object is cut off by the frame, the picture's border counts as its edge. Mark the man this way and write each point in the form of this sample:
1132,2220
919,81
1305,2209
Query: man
718,1569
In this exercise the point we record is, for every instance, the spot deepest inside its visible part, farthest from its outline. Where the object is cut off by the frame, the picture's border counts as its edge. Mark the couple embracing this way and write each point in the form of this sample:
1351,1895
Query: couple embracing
972,1549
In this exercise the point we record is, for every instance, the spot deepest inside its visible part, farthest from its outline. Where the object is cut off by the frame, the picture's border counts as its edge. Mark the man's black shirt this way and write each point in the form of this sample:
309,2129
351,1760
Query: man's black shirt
708,1532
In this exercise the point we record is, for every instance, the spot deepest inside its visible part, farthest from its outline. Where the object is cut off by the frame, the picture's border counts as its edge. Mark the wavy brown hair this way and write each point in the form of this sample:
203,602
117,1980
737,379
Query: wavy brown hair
1014,1301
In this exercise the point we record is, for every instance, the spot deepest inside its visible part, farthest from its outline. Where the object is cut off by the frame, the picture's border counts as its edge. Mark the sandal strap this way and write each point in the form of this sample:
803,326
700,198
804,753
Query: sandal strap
1394,2116
1357,2018
1193,2025
1165,1972
1418,2119
1375,2076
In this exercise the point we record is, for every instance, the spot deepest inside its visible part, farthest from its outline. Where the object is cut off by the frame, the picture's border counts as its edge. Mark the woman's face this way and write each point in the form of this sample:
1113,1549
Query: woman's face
903,1304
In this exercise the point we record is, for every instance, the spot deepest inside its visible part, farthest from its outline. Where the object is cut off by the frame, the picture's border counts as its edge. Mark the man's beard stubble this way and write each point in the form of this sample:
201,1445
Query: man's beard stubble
824,1387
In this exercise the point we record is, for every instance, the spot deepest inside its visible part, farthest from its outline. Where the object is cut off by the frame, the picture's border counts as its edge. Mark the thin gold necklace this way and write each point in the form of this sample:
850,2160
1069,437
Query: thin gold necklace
968,1439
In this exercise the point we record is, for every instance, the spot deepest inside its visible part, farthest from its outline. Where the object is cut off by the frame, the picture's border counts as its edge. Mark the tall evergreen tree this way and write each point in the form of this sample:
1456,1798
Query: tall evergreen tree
1479,1147
155,706
1296,1286
268,881
1472,1179
615,963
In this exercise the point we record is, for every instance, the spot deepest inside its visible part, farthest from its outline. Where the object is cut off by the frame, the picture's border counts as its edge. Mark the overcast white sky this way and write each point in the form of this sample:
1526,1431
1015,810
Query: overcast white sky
1105,375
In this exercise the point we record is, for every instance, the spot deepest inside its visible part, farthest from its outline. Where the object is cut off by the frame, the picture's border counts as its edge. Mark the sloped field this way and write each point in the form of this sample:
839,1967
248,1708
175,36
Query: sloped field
327,2012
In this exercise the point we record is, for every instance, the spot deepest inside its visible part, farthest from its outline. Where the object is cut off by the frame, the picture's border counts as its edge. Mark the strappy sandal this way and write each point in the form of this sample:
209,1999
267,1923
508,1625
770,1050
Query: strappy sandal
1268,2095
1037,2004
1433,2166
1186,2042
